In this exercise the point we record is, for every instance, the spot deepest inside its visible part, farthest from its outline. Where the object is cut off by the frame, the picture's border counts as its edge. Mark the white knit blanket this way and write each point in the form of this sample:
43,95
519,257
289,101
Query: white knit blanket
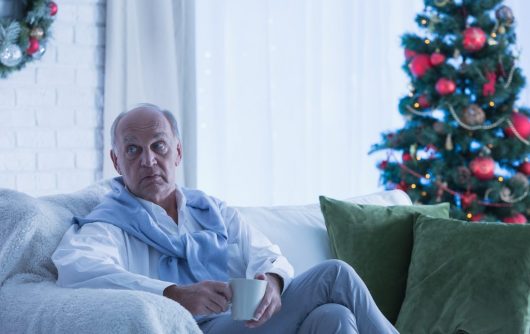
30,302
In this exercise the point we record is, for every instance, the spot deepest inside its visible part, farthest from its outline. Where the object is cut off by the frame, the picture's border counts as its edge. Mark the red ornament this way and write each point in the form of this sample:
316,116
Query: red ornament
53,8
402,186
521,123
383,164
33,46
406,157
420,64
488,88
445,86
437,58
474,39
468,199
525,168
478,217
518,218
483,168
409,54
423,101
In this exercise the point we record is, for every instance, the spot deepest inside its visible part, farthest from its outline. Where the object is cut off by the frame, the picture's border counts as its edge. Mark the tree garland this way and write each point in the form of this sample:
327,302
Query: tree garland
22,41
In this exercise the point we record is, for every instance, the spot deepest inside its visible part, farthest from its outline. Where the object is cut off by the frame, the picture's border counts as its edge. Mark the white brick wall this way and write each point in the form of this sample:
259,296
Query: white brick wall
50,112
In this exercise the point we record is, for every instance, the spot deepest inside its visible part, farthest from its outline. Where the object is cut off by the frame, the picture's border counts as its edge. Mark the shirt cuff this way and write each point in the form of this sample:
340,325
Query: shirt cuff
283,275
155,286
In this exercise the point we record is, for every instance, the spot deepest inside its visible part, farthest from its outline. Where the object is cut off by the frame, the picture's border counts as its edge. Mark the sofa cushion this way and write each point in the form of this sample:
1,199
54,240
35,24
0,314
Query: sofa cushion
467,276
377,242
300,231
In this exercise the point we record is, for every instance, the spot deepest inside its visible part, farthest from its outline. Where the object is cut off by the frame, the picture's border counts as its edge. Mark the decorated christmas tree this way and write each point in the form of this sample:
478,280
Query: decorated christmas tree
465,140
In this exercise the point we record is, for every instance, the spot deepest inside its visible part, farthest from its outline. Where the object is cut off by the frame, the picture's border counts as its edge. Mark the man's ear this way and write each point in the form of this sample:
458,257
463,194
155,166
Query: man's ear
179,154
115,161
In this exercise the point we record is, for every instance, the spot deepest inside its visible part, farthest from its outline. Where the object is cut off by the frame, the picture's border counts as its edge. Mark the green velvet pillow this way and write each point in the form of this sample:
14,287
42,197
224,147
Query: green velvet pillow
472,277
377,242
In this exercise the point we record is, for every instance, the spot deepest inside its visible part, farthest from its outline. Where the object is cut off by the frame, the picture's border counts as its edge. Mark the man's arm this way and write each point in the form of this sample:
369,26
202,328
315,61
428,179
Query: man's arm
95,256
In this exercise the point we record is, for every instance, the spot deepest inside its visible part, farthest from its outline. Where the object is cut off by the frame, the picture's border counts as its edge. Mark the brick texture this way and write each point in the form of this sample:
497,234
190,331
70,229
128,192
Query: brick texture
51,111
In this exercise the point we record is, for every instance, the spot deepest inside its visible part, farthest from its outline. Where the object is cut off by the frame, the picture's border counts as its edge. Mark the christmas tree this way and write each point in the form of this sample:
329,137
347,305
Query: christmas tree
465,140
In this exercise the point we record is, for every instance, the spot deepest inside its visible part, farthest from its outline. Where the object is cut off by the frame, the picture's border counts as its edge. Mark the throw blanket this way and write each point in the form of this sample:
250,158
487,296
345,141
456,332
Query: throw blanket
31,302
187,259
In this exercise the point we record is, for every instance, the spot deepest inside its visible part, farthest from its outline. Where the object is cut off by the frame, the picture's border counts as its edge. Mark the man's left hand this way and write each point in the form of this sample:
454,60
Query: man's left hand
271,302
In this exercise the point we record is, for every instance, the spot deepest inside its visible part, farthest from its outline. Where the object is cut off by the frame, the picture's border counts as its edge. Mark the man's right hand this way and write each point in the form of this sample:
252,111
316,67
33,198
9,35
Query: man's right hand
201,298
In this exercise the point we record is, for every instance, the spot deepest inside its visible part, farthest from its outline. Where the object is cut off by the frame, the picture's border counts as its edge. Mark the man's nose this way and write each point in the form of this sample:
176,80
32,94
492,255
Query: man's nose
148,158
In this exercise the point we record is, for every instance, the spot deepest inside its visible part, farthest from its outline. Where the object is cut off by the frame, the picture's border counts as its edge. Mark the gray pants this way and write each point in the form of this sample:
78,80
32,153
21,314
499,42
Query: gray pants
328,298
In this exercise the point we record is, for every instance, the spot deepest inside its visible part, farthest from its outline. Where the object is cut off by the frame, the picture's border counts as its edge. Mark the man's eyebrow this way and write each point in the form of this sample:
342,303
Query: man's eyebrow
129,139
160,135
132,138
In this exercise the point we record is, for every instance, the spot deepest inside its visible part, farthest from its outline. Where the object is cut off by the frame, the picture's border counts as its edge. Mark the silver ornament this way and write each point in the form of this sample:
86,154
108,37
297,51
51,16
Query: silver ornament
11,55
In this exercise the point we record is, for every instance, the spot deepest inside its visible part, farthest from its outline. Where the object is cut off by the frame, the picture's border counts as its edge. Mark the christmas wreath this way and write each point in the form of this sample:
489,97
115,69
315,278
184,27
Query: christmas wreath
22,41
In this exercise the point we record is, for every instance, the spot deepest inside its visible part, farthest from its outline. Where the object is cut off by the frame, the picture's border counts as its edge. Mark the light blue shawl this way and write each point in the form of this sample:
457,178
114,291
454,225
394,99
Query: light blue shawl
190,258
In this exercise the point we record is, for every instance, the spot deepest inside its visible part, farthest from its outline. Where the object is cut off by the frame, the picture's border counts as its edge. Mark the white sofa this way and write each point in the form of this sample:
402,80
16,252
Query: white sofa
31,228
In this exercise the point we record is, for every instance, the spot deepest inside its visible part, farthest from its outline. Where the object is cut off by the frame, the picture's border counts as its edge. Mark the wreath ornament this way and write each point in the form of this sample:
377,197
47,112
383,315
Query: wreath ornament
22,41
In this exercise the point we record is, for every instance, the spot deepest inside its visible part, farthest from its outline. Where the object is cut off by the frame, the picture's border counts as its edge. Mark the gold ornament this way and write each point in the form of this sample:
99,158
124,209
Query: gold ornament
441,3
519,181
502,30
505,15
433,21
413,150
463,175
37,33
473,115
449,143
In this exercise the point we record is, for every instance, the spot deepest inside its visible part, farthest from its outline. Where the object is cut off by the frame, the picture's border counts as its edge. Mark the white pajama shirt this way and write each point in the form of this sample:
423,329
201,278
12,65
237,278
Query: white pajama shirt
101,255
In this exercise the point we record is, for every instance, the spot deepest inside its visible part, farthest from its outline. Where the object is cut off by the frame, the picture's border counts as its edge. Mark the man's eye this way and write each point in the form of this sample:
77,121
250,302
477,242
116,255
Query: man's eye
132,149
160,146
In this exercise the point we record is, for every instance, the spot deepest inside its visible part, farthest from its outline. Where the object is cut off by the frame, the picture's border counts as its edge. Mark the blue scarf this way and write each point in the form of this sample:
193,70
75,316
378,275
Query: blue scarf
190,258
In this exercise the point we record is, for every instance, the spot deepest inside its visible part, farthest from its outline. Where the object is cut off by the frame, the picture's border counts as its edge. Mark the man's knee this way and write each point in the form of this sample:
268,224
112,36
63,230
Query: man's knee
339,268
329,318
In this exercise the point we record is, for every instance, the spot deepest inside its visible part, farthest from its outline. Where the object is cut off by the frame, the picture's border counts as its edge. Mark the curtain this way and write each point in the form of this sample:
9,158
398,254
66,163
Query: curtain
149,57
292,94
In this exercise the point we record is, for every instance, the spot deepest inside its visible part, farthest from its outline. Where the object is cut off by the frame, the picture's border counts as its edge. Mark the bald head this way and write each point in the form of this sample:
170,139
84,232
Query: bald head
138,110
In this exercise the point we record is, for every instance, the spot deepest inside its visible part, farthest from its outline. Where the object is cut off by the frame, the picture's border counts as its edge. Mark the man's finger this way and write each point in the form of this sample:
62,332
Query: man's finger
264,304
224,290
261,320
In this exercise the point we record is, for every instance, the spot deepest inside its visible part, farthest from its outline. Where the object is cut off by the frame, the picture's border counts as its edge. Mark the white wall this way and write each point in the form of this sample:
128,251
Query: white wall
50,111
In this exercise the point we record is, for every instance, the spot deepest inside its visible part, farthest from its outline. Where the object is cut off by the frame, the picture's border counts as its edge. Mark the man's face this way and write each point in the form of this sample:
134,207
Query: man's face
146,154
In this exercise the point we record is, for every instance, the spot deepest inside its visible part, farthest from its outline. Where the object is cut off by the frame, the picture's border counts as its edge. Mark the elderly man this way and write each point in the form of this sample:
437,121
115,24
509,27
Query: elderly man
150,234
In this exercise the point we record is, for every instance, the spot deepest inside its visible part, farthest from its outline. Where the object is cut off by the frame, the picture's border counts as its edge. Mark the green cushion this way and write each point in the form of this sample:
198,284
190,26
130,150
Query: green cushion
473,277
377,242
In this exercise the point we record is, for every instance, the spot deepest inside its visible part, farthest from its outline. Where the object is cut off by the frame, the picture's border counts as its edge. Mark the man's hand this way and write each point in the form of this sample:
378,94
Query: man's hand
271,302
201,298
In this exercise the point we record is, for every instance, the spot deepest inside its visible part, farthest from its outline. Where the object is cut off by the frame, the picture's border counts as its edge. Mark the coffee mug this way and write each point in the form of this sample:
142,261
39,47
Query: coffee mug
246,296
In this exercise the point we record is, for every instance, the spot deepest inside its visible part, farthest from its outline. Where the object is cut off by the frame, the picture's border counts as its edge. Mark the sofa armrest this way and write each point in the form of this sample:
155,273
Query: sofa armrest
42,307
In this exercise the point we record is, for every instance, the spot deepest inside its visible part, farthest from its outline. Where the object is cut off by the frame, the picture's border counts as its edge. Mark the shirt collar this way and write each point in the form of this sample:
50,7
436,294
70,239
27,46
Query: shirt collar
181,198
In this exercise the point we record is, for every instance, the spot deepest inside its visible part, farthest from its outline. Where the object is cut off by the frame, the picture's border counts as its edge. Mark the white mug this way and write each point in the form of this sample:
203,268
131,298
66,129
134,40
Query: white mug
246,296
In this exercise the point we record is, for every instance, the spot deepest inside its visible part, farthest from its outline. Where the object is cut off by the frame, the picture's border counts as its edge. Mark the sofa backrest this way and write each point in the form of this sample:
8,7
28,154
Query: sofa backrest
300,231
31,228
